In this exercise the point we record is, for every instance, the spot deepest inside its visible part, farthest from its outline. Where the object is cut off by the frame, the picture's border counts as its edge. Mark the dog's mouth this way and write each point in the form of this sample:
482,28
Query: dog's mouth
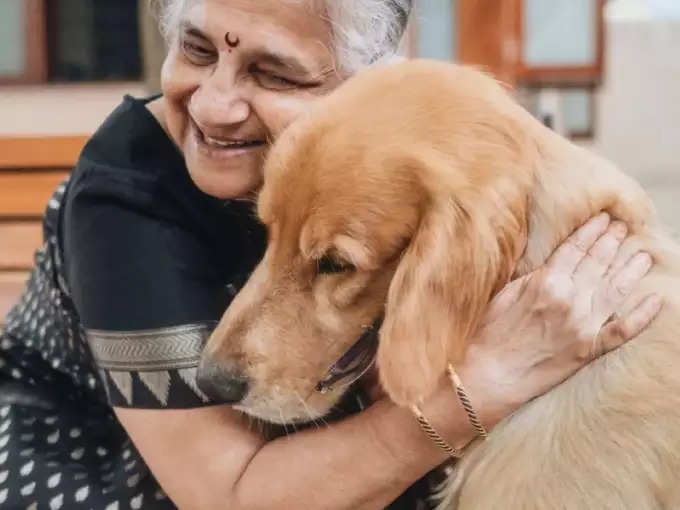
288,407
354,363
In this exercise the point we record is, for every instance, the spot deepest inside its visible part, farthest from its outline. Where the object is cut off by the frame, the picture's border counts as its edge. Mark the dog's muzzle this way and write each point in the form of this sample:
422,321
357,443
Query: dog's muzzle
223,385
355,362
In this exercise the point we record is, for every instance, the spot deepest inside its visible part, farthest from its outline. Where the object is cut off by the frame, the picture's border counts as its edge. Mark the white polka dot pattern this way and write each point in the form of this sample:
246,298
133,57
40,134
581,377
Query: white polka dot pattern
54,480
50,456
82,493
56,502
27,489
77,475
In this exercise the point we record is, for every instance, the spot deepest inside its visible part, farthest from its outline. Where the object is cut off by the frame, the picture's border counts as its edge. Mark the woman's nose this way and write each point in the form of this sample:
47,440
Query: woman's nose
216,104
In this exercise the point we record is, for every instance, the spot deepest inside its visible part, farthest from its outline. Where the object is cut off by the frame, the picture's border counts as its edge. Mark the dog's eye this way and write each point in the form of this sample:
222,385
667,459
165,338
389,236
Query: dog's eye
329,266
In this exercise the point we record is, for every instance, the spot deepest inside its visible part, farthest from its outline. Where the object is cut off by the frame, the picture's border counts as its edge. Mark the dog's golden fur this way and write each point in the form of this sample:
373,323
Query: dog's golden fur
437,188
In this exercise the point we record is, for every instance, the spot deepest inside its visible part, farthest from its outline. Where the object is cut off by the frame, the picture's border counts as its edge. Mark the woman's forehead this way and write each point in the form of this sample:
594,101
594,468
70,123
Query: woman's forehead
282,26
302,17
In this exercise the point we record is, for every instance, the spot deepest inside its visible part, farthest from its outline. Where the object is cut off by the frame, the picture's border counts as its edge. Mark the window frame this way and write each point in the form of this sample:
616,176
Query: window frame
587,75
588,133
491,34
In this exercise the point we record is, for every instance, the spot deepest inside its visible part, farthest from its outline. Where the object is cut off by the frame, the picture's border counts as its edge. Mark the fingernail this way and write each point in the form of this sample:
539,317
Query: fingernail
655,301
619,229
653,305
643,258
604,216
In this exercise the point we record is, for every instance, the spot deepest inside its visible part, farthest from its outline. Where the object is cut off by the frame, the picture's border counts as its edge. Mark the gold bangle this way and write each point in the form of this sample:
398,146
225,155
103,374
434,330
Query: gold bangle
465,402
430,432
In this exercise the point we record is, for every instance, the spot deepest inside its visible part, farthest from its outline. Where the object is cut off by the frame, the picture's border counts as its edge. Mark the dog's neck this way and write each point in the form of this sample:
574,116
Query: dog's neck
571,188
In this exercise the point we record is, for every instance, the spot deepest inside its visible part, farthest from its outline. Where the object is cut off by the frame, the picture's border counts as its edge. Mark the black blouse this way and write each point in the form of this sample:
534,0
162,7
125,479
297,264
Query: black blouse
151,262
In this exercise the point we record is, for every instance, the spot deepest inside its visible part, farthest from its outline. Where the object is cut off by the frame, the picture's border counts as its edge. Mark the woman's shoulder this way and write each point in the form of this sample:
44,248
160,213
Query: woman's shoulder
132,140
129,162
156,106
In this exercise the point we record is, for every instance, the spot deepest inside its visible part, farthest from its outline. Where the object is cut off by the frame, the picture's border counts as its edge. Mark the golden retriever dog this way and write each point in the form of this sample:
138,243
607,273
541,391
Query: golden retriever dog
414,193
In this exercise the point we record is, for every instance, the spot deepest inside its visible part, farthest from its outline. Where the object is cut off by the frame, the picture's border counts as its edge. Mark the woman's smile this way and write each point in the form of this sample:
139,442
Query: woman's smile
216,146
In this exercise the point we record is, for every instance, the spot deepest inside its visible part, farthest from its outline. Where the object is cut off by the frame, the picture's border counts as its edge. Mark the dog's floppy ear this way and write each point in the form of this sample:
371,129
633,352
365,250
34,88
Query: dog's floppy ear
462,253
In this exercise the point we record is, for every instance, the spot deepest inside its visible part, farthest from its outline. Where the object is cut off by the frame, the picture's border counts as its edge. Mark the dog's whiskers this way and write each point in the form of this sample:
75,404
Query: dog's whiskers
315,421
286,423
283,422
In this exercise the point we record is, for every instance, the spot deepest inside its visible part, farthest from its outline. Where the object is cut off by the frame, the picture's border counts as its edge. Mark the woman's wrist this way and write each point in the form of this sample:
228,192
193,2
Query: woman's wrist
489,388
445,414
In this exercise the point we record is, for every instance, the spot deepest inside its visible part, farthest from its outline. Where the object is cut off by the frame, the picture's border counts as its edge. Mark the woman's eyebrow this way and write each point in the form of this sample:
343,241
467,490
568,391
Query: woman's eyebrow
190,29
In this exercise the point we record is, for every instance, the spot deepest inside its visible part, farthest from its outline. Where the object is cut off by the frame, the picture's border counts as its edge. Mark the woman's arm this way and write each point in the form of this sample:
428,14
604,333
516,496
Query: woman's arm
537,334
208,459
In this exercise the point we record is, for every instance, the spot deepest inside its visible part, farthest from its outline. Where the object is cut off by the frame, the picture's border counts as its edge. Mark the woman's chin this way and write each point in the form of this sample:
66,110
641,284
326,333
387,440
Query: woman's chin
226,180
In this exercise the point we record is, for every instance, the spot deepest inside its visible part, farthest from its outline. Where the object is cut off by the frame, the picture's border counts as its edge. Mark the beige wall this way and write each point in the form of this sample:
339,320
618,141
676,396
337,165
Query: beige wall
638,108
60,109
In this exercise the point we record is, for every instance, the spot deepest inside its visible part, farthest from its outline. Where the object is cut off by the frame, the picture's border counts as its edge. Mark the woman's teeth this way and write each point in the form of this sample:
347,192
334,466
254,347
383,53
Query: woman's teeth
229,144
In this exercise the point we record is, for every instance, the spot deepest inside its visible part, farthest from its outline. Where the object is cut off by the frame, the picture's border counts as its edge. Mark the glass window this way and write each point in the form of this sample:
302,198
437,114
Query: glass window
577,112
560,33
436,29
13,59
93,40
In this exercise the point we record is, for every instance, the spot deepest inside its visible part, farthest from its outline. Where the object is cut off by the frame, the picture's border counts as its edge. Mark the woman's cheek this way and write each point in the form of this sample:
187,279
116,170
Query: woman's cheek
278,110
179,79
178,83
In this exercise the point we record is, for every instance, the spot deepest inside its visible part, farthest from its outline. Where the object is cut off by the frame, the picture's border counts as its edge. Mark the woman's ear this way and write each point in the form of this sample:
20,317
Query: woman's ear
461,254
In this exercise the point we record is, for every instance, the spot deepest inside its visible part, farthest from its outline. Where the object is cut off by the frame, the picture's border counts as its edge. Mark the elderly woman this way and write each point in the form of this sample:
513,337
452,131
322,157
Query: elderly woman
153,234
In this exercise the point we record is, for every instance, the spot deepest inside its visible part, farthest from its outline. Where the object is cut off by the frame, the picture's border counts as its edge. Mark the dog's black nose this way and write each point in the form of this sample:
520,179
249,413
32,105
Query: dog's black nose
221,385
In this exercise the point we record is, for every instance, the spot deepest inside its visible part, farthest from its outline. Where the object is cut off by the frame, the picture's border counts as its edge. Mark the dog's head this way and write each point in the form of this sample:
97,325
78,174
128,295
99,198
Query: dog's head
409,208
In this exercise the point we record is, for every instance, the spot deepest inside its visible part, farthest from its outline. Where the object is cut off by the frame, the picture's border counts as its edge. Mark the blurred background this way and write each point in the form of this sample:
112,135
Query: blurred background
605,73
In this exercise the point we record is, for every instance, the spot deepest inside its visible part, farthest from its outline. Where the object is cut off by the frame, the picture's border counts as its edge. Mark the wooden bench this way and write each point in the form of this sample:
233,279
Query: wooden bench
11,285
18,242
30,171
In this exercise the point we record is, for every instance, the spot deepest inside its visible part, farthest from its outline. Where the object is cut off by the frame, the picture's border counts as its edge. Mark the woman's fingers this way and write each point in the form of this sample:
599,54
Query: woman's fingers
624,280
618,331
601,255
508,296
570,253
613,291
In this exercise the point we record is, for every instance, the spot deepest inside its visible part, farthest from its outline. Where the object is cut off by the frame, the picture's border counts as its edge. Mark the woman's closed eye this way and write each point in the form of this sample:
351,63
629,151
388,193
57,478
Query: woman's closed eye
198,53
272,81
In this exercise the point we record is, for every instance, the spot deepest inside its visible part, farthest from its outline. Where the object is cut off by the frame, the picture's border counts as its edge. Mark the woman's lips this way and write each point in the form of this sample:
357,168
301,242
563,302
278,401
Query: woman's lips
230,144
223,147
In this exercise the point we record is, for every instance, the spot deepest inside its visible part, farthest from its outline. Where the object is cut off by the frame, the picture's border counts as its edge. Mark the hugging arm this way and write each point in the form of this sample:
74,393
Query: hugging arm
207,458
543,327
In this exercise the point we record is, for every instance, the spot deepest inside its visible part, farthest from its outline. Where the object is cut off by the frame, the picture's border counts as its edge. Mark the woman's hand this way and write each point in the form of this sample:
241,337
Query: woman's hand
543,327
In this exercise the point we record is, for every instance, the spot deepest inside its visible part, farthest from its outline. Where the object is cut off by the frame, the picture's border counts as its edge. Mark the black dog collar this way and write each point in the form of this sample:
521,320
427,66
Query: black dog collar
355,362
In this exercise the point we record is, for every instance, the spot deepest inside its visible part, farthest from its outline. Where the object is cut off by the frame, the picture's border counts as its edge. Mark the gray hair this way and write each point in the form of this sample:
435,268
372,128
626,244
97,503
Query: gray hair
364,31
